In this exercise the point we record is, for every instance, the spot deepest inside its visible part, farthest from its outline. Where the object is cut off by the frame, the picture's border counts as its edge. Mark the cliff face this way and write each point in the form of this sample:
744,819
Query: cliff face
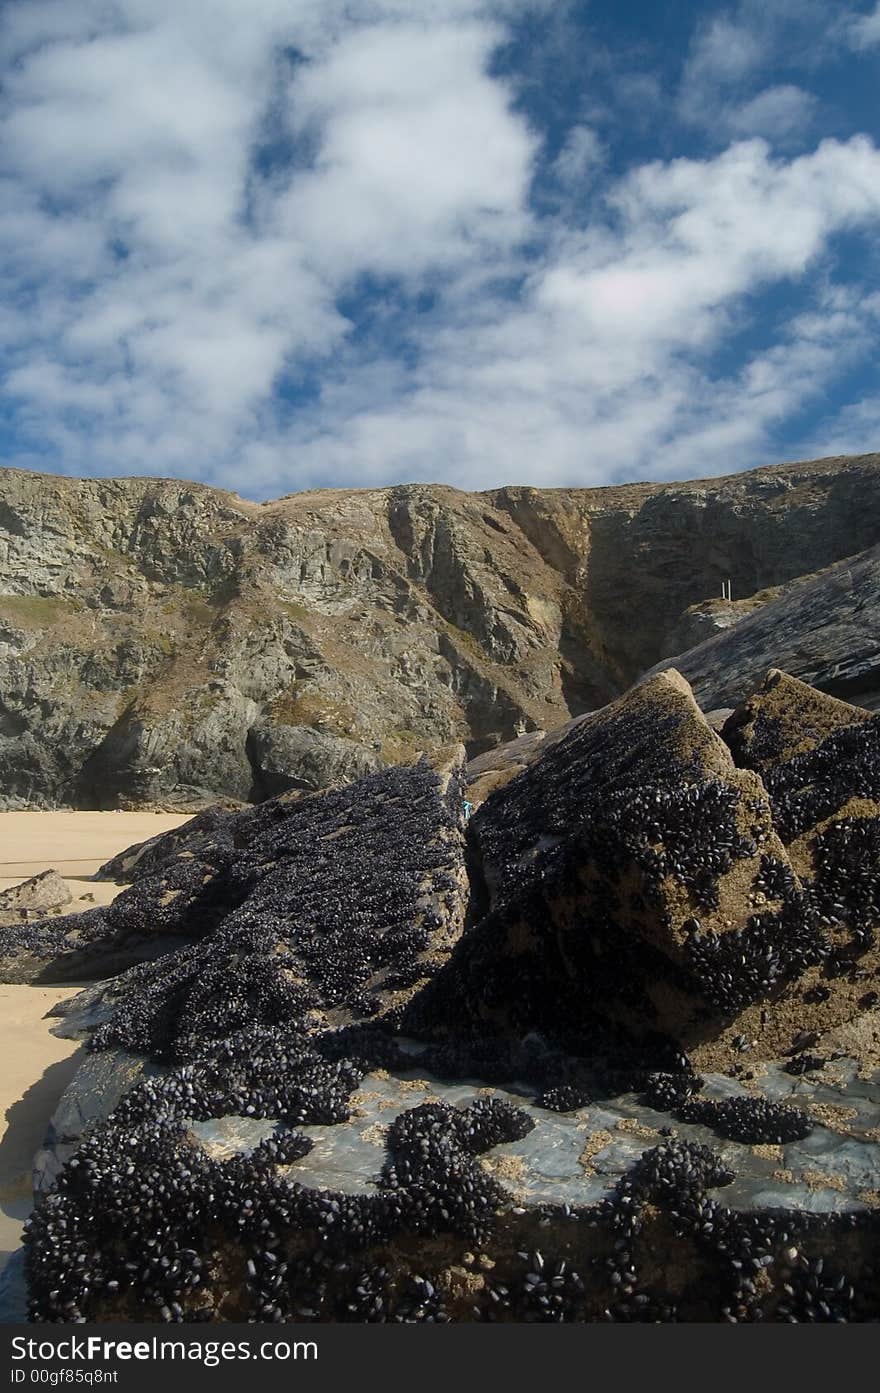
166,642
824,629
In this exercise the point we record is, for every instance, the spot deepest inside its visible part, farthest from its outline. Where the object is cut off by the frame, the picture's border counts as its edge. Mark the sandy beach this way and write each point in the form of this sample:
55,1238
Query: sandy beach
74,844
35,1067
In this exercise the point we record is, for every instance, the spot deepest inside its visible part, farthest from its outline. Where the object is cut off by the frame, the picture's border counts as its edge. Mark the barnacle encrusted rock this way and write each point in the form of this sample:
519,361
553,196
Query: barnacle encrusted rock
483,774
359,889
398,1064
415,1199
636,883
826,806
784,718
198,835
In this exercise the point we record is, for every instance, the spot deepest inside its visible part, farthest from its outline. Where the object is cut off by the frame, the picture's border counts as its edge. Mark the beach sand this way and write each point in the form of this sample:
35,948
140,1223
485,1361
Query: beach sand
75,845
34,1072
35,1067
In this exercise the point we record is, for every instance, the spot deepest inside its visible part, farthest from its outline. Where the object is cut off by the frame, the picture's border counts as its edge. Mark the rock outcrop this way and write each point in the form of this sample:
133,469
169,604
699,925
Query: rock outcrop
34,897
637,886
167,643
406,1065
823,632
436,1201
784,718
292,905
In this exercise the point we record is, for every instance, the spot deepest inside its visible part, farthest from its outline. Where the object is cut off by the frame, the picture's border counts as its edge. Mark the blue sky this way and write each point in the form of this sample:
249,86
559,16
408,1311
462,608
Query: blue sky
300,243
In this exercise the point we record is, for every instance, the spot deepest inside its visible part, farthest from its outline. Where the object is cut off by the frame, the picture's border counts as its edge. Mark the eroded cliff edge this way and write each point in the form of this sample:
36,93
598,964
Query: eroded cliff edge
165,642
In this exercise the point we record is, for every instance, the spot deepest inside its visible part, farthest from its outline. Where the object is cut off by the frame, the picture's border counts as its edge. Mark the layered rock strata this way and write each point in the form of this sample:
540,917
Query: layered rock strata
164,643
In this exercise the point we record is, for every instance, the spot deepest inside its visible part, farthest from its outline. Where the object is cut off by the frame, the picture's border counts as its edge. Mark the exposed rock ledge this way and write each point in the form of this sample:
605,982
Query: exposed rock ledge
414,1067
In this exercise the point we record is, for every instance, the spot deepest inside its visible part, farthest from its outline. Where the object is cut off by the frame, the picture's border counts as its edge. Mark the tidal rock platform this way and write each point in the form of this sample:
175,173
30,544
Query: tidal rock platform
606,1048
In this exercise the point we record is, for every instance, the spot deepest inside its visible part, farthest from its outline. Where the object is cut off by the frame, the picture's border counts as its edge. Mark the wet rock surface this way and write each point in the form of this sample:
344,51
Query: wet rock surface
606,1049
431,1200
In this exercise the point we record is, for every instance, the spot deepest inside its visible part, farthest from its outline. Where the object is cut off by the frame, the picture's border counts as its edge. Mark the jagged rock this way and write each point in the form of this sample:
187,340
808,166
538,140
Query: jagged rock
492,770
783,718
149,758
823,632
334,907
826,805
147,626
97,1087
715,616
410,1066
75,948
637,886
708,618
41,892
157,853
483,774
642,554
286,757
488,772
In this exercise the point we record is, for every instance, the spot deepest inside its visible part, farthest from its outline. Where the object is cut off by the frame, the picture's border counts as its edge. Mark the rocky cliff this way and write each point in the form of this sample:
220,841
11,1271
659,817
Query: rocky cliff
824,629
167,643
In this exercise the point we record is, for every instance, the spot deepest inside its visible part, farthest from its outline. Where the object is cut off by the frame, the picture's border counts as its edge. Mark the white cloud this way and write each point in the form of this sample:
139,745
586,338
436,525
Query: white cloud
725,50
419,153
864,30
597,369
165,263
722,86
160,283
580,157
777,113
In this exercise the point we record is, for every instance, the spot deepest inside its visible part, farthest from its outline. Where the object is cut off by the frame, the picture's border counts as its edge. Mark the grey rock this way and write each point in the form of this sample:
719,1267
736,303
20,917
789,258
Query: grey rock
551,937
824,632
718,718
640,555
155,636
705,620
97,1086
40,892
297,757
547,1166
13,1290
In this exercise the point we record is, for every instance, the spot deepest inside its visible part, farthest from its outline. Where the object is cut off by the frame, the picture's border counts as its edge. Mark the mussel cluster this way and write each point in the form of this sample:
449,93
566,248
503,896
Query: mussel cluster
325,938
